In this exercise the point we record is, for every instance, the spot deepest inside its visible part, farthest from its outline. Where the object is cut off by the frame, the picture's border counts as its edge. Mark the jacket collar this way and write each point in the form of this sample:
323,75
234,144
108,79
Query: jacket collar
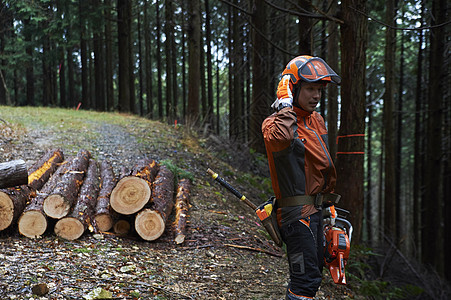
300,112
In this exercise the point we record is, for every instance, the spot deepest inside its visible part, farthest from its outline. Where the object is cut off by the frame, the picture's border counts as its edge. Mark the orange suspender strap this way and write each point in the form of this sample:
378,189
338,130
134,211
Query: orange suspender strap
350,135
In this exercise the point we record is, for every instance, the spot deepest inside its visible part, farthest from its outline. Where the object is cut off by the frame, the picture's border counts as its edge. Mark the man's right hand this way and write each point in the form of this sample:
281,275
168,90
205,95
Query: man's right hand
284,94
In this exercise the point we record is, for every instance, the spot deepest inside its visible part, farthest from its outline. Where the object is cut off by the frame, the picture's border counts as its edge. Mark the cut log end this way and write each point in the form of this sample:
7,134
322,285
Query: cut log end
130,195
6,211
32,224
56,206
149,225
69,228
122,228
104,222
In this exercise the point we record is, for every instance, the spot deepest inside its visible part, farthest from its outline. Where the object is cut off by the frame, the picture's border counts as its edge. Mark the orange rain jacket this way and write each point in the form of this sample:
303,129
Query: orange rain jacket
298,154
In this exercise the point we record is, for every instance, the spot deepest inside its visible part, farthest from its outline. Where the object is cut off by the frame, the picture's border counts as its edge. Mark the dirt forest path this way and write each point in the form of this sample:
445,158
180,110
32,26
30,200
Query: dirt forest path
208,265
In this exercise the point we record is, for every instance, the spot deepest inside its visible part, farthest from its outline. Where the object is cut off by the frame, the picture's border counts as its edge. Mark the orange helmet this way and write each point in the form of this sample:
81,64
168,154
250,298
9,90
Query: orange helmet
310,69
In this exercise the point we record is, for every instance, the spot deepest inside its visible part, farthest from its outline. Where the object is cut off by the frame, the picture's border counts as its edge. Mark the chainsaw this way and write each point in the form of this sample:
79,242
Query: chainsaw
337,237
337,246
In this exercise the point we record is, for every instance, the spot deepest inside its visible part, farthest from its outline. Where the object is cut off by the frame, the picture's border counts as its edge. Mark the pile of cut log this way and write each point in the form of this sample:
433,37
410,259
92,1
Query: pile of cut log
77,194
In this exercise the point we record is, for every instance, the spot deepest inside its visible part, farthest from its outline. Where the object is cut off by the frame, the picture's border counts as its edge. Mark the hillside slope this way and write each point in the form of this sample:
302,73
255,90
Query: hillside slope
225,256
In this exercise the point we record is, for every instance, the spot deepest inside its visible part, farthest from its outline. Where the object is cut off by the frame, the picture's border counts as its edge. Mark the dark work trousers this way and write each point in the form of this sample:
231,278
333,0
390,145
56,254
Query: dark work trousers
305,250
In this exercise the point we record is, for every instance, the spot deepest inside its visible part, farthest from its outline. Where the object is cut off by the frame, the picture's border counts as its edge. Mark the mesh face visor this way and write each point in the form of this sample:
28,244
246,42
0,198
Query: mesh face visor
311,69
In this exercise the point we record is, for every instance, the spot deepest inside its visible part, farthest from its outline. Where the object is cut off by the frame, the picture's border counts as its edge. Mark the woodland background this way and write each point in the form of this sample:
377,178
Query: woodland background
214,65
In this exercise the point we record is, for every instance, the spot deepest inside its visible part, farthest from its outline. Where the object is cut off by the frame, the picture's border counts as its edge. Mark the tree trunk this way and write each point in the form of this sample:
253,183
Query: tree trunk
150,222
85,97
133,192
109,88
29,69
350,148
76,223
159,67
260,96
41,171
305,30
194,35
33,221
13,173
433,206
390,180
332,89
99,63
168,47
124,53
61,200
148,61
418,168
181,209
102,216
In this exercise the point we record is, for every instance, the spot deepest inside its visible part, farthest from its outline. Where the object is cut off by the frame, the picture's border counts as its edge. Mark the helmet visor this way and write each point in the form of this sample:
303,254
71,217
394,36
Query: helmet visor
316,69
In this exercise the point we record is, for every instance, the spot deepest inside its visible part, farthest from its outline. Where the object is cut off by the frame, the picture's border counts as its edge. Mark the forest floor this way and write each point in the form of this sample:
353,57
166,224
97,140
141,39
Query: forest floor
226,254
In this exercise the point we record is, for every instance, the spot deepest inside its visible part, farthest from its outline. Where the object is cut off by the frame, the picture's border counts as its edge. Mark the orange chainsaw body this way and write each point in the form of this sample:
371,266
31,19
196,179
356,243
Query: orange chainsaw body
336,252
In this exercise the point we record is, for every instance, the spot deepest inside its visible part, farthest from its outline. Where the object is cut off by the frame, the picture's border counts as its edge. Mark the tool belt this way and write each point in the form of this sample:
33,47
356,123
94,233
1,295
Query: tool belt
318,200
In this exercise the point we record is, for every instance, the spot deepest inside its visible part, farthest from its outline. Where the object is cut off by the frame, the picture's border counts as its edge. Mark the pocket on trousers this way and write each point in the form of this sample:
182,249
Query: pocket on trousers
297,263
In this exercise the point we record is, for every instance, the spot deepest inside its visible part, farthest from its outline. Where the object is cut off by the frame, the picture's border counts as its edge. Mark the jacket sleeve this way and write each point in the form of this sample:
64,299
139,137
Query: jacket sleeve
278,129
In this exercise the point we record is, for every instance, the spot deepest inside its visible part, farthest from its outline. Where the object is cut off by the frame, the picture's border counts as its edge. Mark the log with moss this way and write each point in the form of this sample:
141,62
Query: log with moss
181,209
133,192
13,173
75,224
103,220
150,222
33,221
61,200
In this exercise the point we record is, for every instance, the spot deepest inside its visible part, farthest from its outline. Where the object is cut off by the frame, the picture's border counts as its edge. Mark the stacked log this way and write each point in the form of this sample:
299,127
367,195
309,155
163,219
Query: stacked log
41,171
150,222
13,200
59,203
13,173
133,191
103,219
33,221
181,209
75,224
76,194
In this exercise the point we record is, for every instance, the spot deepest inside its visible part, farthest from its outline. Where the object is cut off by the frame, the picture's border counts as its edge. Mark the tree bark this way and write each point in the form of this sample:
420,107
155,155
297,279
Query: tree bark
41,171
123,31
61,200
181,209
103,220
389,143
12,203
33,221
433,207
133,192
75,224
13,173
150,222
260,82
194,36
351,145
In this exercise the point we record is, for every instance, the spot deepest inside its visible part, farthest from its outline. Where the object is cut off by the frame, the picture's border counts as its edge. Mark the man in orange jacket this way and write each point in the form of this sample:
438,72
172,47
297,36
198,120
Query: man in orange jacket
302,172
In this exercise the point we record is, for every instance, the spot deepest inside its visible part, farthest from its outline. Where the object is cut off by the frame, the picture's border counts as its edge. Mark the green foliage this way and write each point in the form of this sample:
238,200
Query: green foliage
178,172
358,273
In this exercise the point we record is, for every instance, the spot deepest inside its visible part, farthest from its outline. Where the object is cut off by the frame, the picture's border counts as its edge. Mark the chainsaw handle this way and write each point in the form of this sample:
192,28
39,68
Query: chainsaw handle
231,189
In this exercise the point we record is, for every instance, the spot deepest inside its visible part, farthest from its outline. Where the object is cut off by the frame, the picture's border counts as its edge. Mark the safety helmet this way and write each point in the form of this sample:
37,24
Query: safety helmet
310,69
